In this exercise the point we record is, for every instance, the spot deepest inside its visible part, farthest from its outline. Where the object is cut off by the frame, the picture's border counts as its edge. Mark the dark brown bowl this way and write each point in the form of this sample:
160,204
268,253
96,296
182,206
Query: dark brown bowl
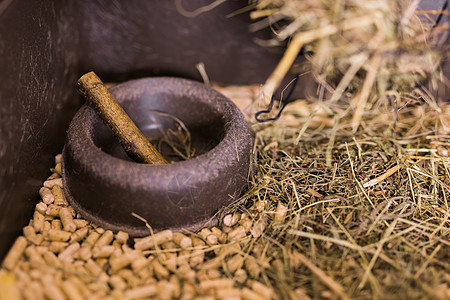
106,187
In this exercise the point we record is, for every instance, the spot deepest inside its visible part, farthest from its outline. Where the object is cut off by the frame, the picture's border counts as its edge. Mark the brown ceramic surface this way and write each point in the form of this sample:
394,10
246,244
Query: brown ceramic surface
106,187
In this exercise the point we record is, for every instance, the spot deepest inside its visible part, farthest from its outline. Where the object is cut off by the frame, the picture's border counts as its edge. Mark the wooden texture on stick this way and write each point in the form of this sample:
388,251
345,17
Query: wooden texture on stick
137,146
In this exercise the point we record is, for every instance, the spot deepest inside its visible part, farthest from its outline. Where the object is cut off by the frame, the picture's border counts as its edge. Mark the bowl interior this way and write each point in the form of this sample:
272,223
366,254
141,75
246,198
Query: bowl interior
178,131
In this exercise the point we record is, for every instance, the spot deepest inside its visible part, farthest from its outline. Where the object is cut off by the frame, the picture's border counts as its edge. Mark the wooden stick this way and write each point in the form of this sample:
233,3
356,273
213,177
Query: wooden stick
112,114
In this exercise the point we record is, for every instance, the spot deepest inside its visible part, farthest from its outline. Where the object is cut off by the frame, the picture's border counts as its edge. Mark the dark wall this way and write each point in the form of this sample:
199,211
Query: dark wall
38,62
46,45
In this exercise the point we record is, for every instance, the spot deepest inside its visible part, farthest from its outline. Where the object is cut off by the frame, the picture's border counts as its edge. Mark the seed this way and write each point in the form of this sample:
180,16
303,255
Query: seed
59,196
105,239
79,234
67,254
67,220
153,240
15,253
46,195
58,158
53,182
122,237
231,219
182,240
57,235
211,239
141,292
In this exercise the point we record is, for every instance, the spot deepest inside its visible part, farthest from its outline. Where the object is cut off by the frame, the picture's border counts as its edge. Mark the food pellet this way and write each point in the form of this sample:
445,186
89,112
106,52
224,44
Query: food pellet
280,212
53,182
235,263
231,219
66,219
46,195
38,221
122,237
105,239
41,207
67,257
30,234
141,292
15,253
67,254
57,235
182,240
103,251
79,234
58,194
57,247
153,240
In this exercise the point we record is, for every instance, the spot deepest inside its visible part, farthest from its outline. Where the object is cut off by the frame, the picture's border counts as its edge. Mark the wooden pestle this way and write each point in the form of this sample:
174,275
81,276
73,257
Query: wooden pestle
112,114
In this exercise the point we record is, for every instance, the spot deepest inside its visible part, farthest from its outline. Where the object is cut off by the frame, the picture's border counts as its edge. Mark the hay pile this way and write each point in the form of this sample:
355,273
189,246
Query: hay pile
361,52
366,213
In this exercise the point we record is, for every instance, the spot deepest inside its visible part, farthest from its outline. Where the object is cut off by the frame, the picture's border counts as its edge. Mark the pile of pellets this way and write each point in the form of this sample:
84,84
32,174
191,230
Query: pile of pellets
63,256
